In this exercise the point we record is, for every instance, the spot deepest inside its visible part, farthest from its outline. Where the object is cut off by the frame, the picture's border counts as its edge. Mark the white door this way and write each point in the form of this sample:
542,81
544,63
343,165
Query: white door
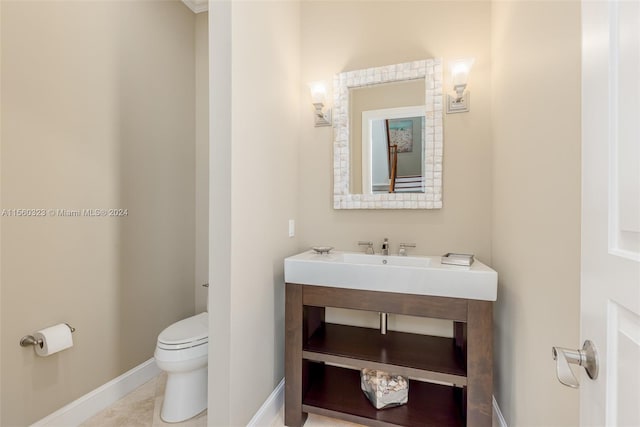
610,283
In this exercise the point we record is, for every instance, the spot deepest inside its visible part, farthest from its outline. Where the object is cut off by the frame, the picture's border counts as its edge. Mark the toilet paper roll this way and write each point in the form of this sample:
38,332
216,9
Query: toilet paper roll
54,339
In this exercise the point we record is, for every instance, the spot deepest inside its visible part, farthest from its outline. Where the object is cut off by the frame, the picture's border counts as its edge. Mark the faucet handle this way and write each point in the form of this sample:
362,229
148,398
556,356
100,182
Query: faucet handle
369,246
403,248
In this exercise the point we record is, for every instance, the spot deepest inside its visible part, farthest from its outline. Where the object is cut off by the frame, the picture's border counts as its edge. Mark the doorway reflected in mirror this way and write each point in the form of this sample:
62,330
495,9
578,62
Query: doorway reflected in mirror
393,150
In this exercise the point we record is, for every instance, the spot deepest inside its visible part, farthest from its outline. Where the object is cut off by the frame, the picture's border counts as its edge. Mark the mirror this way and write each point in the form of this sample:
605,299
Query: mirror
388,137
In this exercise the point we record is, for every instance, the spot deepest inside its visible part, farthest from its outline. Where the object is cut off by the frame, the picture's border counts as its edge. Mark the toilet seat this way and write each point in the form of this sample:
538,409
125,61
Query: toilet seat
187,333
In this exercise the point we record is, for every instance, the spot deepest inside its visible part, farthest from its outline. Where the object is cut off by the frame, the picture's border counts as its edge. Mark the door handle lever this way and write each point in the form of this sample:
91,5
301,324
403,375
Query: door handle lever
587,357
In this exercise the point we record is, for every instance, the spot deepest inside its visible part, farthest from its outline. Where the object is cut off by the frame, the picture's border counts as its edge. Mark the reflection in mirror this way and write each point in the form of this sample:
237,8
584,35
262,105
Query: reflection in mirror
381,96
392,148
388,138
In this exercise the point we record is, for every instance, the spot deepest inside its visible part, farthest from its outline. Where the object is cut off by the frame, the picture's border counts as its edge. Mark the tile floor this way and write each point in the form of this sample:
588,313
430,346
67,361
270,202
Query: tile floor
314,421
141,408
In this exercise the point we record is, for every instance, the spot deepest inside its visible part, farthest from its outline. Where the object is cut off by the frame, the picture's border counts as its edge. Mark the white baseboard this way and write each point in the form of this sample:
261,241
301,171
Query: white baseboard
498,419
270,408
80,410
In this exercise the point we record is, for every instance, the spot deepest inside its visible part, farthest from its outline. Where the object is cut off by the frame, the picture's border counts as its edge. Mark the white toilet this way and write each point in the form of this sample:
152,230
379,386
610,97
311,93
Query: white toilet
182,351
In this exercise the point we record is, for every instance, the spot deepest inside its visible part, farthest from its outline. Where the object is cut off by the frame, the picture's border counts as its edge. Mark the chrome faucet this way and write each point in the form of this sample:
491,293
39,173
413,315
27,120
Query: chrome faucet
385,247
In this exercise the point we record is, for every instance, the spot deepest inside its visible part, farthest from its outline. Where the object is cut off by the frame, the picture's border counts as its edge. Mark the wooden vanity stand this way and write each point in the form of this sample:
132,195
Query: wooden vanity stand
322,360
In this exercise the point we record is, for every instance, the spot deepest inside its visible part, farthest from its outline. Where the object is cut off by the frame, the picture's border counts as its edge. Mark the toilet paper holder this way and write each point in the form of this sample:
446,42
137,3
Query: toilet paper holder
28,340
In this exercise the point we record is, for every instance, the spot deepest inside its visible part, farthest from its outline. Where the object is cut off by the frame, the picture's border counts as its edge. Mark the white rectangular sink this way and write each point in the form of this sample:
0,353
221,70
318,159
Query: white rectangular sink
417,275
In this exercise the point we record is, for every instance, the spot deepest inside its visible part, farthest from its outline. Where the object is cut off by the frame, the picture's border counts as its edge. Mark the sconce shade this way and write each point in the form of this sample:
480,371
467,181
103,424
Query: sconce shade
318,92
460,71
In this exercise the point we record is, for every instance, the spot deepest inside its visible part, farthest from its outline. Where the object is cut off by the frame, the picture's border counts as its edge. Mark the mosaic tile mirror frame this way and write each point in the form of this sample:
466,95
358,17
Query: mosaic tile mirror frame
430,196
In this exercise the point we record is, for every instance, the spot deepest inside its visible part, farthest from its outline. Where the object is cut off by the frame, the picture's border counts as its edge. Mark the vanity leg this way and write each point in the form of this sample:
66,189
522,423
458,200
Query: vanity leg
293,415
479,363
459,335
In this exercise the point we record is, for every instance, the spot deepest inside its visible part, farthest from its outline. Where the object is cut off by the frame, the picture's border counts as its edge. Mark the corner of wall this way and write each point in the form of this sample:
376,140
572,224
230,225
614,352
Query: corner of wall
1,206
220,211
265,151
201,160
536,203
85,128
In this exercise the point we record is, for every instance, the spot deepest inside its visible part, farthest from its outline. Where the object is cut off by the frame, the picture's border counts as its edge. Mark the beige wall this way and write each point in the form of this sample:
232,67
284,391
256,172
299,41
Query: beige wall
220,213
111,130
536,209
391,33
202,158
532,165
97,112
260,141
342,36
1,206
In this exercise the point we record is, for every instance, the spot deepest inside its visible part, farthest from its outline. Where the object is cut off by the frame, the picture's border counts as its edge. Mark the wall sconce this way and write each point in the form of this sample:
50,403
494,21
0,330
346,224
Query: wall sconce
318,98
459,103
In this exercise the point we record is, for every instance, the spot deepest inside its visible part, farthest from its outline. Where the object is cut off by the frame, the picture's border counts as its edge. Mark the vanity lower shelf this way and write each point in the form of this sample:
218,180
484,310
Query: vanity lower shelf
419,356
323,360
335,392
